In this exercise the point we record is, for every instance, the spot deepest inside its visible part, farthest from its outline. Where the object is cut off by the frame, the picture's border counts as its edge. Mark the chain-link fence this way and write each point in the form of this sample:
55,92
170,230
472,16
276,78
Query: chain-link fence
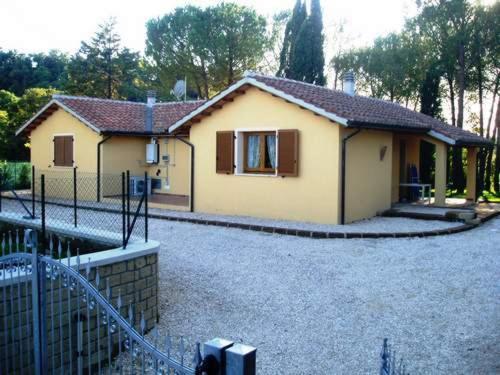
107,206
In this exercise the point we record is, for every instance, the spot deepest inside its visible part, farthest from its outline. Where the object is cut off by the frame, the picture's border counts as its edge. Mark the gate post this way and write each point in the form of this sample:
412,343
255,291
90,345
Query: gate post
30,241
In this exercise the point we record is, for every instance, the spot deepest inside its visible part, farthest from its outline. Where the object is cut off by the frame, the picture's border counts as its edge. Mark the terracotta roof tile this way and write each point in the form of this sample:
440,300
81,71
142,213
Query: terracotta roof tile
116,116
367,112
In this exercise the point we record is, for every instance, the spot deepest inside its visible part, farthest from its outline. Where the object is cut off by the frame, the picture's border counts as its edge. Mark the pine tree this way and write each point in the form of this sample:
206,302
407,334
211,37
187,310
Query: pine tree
307,59
317,75
104,69
292,30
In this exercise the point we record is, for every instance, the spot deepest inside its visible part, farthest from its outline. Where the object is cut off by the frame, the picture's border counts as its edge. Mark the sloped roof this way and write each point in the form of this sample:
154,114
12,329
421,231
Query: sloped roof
114,116
351,111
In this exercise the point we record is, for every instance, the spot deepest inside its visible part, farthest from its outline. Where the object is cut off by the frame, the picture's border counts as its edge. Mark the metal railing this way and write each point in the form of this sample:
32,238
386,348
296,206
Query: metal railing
55,319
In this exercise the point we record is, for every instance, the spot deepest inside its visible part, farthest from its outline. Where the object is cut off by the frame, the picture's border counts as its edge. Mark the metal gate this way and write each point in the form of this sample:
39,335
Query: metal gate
54,320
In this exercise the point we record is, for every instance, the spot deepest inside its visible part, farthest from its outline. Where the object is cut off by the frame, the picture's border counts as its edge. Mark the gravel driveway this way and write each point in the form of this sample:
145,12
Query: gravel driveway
324,306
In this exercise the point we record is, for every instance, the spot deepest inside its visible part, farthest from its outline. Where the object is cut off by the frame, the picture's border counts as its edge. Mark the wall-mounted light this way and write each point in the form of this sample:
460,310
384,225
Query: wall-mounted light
383,150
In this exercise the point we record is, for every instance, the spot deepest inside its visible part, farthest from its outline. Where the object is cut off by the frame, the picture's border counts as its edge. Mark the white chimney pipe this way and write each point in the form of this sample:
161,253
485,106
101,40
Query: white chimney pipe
151,98
349,85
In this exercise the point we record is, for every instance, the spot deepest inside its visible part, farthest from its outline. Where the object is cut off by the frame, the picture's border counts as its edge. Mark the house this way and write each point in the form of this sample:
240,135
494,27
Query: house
276,148
106,137
266,147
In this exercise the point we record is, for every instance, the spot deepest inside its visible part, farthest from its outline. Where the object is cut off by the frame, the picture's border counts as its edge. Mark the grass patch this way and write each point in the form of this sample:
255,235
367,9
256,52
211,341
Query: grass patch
487,196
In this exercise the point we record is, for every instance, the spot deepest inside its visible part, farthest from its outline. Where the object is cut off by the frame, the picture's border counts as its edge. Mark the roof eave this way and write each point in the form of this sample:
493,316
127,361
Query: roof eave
389,127
63,106
264,87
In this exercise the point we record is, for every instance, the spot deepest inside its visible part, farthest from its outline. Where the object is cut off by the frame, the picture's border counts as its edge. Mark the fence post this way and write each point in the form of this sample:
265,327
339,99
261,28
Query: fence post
146,206
33,191
75,198
128,201
42,198
123,210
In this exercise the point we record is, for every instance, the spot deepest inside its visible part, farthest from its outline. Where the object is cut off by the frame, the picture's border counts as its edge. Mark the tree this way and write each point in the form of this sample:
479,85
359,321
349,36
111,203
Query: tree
238,43
307,60
430,96
102,68
14,112
211,47
299,15
19,71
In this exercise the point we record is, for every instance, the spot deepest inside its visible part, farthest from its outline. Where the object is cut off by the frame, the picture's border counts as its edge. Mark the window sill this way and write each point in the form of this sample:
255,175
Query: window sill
256,174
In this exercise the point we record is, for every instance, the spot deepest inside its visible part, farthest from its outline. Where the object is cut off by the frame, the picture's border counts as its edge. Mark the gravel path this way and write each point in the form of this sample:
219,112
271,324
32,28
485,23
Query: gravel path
324,306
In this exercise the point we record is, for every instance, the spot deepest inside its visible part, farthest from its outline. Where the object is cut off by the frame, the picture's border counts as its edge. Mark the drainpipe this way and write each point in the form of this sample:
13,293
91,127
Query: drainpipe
191,204
99,167
342,202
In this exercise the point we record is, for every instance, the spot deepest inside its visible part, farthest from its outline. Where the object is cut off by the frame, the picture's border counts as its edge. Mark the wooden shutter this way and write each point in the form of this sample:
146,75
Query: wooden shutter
288,153
68,151
63,151
225,152
59,151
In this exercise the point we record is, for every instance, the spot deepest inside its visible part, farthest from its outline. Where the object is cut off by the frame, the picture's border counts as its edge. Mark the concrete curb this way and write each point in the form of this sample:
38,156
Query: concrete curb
324,234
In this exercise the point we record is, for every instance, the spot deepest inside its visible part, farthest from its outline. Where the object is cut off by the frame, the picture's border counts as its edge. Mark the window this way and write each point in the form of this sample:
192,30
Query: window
266,152
259,152
63,151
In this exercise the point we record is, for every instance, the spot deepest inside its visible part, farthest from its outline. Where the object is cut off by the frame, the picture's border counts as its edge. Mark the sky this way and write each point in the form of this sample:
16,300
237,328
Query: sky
39,26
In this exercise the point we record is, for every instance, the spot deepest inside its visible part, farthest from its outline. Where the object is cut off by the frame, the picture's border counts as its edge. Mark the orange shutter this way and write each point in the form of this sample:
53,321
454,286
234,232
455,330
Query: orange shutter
288,153
225,152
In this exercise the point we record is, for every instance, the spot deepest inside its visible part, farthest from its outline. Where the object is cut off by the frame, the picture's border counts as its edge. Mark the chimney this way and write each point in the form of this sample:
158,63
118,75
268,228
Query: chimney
151,97
349,85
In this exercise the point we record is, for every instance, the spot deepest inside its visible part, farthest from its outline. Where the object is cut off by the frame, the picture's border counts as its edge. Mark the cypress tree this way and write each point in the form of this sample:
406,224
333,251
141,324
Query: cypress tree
292,29
307,60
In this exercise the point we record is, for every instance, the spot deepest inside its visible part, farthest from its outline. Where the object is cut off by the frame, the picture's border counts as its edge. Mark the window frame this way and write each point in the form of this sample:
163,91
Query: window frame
54,136
261,170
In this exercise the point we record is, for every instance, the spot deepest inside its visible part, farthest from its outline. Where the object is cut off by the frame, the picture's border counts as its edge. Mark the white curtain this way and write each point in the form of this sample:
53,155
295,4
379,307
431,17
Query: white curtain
253,151
271,149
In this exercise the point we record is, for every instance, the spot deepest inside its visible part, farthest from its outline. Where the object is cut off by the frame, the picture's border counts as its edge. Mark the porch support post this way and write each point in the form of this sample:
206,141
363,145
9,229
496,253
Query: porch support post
440,174
471,173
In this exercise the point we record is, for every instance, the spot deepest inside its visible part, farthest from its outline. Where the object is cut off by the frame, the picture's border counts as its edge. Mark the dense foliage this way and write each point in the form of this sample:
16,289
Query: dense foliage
211,47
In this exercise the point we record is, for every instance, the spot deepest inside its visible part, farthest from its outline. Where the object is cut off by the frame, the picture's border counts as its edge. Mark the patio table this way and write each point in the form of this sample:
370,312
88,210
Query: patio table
423,188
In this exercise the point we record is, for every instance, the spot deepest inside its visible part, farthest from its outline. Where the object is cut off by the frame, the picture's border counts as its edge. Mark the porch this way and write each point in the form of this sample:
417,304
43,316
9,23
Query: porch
419,165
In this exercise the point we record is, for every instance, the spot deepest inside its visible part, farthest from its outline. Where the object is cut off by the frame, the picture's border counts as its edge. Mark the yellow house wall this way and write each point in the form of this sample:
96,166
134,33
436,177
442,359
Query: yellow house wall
312,196
177,170
121,153
368,179
58,180
84,147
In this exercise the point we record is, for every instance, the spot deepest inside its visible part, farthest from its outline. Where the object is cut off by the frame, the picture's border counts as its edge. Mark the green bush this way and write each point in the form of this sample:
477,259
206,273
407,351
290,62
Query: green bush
14,175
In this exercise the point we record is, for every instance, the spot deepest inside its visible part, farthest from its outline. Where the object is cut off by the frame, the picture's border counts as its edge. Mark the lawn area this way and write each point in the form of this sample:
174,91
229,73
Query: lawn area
487,195
324,306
